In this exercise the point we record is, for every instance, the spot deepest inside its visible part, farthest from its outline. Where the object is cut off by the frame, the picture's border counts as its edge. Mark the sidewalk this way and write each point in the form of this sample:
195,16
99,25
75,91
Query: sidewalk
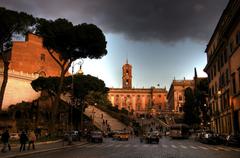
39,148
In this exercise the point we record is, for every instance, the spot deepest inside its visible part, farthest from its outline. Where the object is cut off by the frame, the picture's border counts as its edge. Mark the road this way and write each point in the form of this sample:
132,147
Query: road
167,148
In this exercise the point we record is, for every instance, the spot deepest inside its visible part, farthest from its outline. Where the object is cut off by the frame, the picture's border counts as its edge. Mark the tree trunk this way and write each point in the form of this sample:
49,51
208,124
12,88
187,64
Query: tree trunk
4,83
56,103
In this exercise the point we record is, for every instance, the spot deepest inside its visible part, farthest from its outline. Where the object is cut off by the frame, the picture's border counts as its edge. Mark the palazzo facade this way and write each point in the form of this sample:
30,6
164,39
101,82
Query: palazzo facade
137,100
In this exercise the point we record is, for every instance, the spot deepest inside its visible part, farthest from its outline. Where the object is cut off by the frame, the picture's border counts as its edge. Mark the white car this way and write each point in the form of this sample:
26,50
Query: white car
14,136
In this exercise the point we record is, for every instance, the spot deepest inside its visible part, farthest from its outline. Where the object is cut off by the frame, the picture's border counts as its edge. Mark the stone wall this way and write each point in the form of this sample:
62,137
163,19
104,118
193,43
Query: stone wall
18,88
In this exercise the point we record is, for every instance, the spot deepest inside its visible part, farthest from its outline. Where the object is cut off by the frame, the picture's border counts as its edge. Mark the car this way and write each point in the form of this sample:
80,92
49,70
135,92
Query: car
209,137
96,137
14,136
121,135
74,136
152,137
233,140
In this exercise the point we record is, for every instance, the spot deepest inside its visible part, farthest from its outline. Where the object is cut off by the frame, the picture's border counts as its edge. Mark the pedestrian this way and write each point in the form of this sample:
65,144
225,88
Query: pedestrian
23,140
32,138
103,122
5,141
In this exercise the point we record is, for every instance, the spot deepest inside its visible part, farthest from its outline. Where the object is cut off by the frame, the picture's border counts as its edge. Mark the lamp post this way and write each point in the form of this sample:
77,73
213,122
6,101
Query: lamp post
80,63
93,114
218,123
142,124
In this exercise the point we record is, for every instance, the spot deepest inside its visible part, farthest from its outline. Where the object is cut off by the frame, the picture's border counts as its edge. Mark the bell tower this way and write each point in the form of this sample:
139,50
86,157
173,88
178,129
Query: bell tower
127,76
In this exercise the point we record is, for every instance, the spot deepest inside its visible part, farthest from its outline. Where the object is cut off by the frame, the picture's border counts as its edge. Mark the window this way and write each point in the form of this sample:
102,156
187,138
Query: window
234,83
219,64
239,79
214,70
222,61
42,57
138,107
180,97
223,80
212,90
209,77
227,78
220,81
212,74
42,74
216,87
225,56
231,47
238,38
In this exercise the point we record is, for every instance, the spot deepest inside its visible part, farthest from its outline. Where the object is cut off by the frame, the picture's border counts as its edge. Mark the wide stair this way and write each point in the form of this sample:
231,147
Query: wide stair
102,120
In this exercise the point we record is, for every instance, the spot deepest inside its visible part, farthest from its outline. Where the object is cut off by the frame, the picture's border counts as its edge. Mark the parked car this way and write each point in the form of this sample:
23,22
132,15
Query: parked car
74,136
209,137
96,137
233,140
151,137
121,135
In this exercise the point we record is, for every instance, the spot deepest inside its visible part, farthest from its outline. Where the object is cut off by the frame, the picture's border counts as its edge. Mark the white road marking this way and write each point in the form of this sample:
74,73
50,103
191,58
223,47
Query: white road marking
234,149
164,146
174,146
222,148
202,147
145,145
109,145
118,145
127,145
193,147
182,146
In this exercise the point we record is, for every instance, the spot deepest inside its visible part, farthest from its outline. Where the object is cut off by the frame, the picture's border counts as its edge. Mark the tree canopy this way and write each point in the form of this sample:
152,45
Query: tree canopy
70,41
191,110
66,42
48,84
86,87
13,22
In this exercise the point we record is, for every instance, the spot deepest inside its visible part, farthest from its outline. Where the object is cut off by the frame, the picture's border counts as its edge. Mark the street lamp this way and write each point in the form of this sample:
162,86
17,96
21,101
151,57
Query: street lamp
80,63
142,124
93,114
219,93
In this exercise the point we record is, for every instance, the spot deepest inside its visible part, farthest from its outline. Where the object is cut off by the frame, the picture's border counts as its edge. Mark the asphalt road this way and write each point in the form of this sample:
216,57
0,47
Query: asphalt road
167,148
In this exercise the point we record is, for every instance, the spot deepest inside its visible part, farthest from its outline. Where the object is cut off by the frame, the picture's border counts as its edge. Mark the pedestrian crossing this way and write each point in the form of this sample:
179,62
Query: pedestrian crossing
166,146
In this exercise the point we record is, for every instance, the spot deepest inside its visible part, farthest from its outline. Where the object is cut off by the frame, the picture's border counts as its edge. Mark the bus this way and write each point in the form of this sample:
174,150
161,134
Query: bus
179,131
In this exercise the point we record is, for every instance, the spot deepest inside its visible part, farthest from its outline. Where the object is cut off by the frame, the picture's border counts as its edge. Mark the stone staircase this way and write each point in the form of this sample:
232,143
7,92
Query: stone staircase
102,120
170,120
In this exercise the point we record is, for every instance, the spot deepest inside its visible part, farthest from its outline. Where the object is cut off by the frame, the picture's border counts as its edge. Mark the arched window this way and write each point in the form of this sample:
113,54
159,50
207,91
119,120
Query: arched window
42,74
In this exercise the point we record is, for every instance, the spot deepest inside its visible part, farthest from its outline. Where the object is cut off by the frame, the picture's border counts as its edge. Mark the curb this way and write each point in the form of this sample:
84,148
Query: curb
49,142
15,145
44,150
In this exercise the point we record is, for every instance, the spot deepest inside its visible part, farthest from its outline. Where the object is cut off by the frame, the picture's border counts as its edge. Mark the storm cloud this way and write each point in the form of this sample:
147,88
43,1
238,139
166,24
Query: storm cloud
140,20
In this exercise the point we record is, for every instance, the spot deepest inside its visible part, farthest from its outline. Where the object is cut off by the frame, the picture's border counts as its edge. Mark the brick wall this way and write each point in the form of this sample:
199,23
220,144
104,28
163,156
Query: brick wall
30,57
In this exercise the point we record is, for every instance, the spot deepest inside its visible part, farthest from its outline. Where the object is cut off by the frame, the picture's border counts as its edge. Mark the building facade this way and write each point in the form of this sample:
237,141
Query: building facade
137,100
28,60
223,69
175,97
31,57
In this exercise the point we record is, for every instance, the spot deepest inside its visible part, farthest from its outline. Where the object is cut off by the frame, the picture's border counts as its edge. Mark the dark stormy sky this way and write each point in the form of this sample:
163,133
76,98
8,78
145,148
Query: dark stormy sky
162,39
